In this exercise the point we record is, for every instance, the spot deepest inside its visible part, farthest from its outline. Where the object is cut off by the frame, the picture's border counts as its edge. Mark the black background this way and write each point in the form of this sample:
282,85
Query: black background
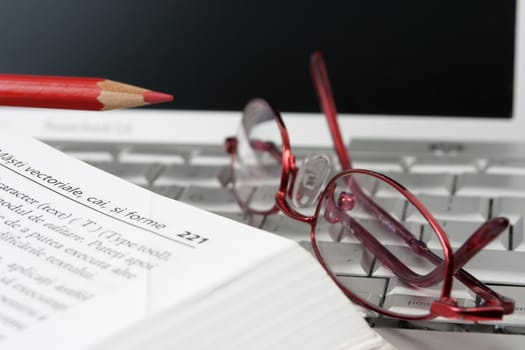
395,57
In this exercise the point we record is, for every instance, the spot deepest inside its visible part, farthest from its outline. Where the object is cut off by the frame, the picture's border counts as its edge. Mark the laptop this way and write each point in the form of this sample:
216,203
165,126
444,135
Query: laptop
433,88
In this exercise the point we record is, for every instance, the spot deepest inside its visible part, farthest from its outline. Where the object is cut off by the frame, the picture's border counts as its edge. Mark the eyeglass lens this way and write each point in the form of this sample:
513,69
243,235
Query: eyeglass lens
359,216
257,166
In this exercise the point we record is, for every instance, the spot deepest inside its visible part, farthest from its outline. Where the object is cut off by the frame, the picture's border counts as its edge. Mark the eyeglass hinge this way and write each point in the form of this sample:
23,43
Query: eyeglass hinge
450,309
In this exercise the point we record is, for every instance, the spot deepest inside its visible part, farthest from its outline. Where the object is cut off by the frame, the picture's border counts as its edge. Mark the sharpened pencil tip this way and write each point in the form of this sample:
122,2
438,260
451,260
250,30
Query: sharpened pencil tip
152,97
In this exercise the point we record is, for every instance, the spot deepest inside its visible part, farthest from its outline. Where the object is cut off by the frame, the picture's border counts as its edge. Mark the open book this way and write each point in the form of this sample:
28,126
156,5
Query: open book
89,261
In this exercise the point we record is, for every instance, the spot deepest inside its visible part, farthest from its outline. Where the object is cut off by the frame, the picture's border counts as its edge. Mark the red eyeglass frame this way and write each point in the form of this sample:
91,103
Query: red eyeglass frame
495,305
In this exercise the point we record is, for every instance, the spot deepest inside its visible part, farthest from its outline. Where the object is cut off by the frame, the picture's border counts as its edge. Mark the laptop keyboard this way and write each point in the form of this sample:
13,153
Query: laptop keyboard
463,185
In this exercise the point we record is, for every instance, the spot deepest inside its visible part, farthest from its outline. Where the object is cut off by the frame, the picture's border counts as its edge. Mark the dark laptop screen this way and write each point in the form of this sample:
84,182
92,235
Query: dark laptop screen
444,57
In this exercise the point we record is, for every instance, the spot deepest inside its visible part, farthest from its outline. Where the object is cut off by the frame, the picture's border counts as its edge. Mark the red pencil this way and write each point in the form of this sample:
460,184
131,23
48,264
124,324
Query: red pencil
73,93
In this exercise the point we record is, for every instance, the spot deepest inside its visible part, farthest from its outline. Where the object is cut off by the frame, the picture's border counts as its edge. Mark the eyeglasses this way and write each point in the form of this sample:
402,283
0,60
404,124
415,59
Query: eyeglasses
358,236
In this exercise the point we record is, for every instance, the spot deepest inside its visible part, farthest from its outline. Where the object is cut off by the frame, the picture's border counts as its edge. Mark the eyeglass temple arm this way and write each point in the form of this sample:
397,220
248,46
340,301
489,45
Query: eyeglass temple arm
495,304
323,90
485,234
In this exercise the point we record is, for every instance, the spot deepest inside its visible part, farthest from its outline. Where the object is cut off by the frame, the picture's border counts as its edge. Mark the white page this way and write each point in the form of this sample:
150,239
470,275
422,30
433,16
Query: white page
84,254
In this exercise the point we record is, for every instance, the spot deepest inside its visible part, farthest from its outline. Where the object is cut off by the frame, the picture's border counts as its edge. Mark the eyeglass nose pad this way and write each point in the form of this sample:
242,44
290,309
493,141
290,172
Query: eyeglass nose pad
311,180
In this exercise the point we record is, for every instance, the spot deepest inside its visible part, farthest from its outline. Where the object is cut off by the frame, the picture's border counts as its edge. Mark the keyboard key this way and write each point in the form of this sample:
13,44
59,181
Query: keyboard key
474,209
498,266
210,198
185,175
210,156
91,156
378,163
436,184
406,300
416,263
506,166
491,185
381,232
371,290
458,232
459,290
395,206
346,258
138,173
518,294
287,227
262,197
513,208
450,165
408,304
516,234
164,154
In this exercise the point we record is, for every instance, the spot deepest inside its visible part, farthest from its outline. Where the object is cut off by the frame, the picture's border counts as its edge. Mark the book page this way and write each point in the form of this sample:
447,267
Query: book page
84,254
